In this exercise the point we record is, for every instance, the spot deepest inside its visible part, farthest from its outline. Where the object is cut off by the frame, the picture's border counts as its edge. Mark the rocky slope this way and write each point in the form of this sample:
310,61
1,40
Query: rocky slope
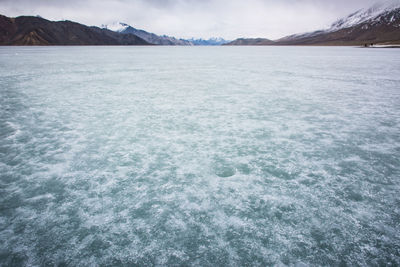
27,30
377,24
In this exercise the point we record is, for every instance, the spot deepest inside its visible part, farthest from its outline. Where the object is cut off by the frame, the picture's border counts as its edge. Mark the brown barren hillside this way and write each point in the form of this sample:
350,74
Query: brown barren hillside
27,30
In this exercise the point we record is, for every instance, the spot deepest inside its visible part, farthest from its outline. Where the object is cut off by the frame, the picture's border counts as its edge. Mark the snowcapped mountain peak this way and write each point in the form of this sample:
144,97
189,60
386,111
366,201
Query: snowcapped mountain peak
116,26
210,41
364,15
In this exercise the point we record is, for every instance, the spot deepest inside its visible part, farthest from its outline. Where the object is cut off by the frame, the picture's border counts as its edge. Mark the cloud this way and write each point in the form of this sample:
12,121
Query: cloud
195,18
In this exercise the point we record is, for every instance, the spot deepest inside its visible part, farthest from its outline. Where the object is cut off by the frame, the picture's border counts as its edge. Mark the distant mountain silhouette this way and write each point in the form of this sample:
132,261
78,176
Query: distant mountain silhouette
27,30
251,41
209,42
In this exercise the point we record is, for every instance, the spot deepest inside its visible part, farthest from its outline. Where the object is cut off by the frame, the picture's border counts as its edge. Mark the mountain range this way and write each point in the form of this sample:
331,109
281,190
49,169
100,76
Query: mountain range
379,24
27,30
151,38
161,39
210,41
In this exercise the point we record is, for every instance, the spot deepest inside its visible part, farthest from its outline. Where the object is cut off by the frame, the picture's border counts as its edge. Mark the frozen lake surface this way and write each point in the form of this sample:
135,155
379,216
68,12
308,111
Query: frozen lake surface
211,156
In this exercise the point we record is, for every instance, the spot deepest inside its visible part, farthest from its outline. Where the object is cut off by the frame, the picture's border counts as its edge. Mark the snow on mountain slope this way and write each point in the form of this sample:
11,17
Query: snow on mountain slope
365,15
210,41
383,13
148,36
116,26
160,39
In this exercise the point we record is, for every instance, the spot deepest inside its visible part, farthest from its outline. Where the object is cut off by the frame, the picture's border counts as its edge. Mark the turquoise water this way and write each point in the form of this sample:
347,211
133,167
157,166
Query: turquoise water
210,156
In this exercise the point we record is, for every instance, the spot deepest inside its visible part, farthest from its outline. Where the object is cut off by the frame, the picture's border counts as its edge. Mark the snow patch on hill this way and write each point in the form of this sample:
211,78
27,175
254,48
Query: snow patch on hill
115,26
364,15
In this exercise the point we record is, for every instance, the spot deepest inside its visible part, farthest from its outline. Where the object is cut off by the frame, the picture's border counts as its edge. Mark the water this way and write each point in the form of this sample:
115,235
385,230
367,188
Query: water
222,156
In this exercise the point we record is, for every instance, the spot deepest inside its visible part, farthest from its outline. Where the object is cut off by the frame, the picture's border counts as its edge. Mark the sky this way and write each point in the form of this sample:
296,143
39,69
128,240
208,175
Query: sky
229,19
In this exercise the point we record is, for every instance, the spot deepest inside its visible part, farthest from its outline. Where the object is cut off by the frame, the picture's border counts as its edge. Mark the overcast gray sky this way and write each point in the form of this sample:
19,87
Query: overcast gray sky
195,18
